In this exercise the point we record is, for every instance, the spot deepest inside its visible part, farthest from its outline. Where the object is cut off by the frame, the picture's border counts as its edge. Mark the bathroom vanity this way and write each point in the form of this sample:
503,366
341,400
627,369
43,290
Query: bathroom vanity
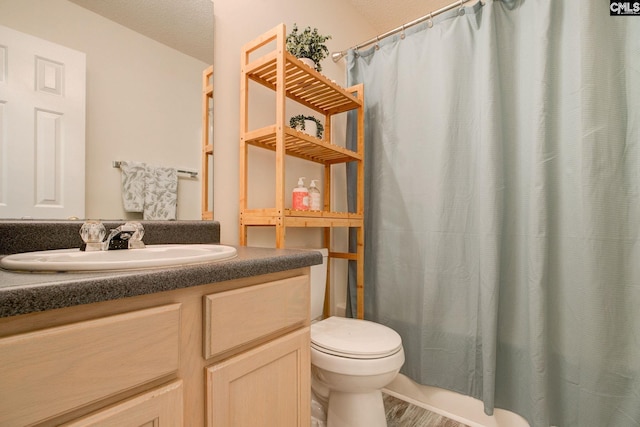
215,344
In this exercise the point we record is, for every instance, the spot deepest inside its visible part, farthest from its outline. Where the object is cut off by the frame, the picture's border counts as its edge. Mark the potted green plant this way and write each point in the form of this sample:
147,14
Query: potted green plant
307,124
308,44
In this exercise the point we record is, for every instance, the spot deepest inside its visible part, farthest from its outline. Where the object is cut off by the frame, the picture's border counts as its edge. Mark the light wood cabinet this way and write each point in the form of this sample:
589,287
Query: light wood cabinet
290,79
164,359
268,385
262,310
158,407
50,371
264,386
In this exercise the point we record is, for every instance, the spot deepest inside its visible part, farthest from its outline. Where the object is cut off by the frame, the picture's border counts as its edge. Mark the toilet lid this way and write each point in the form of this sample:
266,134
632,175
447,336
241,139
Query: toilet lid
354,338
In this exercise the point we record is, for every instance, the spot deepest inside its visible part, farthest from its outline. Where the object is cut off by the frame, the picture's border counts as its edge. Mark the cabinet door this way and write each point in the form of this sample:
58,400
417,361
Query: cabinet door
267,386
51,371
158,407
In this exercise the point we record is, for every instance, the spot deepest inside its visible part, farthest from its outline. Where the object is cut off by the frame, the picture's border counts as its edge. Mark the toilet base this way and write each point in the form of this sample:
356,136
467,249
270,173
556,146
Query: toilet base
356,409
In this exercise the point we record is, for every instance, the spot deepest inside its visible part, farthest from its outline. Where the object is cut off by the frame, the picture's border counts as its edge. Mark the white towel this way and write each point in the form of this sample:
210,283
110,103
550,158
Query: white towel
133,183
160,193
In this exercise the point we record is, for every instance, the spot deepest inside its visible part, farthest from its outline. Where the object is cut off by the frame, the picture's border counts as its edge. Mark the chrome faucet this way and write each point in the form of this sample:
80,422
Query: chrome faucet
126,236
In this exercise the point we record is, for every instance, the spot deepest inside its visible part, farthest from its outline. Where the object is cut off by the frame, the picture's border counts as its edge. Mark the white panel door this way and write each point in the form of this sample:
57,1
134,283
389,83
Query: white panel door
42,128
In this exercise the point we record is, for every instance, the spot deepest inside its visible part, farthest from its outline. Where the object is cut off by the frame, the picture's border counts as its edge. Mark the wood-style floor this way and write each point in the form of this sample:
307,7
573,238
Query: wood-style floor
404,414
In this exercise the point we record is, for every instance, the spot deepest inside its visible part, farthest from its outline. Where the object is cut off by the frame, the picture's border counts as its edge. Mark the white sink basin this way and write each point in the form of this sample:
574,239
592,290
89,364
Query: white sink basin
151,256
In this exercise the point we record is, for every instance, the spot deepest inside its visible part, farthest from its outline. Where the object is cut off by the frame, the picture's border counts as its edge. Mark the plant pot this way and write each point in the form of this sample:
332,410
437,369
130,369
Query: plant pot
307,124
309,62
310,128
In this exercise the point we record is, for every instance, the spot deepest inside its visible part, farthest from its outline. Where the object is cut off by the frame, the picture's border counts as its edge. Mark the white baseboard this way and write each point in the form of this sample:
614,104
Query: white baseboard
464,409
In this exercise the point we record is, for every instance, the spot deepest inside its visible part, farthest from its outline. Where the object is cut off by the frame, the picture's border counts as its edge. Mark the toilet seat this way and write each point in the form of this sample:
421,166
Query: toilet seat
354,338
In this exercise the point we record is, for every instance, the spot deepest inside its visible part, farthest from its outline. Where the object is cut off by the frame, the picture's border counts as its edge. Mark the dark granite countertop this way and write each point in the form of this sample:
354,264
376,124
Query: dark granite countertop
23,293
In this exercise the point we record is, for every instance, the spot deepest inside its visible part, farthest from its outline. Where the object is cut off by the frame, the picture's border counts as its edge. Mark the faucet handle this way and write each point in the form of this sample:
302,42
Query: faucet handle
137,228
135,241
92,234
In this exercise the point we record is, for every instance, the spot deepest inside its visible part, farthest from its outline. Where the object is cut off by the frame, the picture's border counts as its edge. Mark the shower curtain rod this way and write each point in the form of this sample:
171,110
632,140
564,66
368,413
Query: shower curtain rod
336,56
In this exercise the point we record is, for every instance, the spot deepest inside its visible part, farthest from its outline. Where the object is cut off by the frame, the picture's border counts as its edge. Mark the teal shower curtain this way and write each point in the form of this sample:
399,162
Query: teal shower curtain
503,206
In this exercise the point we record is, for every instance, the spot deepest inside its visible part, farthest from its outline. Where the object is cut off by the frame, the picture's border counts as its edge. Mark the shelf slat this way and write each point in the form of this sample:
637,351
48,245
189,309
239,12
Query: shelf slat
301,145
291,218
303,84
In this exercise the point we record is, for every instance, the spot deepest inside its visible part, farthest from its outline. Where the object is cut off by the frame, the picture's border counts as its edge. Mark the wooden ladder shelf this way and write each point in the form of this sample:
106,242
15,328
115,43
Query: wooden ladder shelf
207,142
289,78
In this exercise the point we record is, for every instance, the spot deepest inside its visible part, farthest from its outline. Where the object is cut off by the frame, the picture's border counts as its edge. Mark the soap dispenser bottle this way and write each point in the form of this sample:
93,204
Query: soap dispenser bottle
314,196
300,197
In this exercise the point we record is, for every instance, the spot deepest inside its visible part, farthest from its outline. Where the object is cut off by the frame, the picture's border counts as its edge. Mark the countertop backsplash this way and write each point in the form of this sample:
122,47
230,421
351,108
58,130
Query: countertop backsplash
18,236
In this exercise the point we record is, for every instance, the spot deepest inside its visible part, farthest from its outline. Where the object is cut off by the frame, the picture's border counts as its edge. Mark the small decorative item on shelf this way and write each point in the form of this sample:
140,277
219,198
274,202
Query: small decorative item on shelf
307,124
308,44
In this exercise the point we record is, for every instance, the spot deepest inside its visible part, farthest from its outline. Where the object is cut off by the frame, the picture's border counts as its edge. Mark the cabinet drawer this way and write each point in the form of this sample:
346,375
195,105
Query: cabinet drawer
52,371
161,406
238,317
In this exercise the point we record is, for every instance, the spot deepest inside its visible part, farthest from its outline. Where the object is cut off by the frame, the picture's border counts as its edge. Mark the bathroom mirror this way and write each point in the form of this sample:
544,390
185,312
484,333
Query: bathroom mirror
145,60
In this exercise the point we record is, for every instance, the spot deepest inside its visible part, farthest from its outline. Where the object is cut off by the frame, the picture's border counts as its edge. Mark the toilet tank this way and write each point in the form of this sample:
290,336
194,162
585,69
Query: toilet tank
318,285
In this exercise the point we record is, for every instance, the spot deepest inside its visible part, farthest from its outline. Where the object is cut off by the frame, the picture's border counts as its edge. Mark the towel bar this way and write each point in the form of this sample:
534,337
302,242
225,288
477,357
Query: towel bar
192,174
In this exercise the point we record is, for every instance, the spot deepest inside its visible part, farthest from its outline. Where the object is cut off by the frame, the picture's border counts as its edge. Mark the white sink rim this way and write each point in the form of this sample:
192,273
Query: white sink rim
153,256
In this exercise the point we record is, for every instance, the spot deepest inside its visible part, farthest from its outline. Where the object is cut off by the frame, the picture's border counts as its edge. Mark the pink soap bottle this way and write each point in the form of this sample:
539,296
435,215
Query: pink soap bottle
300,197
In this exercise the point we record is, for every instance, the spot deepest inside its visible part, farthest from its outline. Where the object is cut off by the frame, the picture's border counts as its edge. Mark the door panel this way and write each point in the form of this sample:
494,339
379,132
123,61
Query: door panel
42,128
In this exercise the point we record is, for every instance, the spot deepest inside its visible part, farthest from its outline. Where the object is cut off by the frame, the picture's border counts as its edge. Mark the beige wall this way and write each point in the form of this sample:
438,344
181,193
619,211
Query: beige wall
143,99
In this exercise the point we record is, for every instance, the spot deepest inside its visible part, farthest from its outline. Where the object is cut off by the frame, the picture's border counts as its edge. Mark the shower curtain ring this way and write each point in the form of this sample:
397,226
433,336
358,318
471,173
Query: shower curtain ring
402,34
377,43
461,10
430,20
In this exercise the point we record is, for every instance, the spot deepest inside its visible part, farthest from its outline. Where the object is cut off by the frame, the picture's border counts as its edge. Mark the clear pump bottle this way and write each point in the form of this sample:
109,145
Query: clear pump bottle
314,196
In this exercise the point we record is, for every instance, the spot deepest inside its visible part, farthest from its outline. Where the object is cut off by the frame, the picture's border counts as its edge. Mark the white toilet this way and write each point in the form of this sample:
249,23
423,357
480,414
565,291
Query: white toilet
351,361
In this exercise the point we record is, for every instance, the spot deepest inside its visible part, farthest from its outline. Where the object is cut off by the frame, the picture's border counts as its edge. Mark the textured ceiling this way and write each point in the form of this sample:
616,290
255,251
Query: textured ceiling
185,25
385,15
